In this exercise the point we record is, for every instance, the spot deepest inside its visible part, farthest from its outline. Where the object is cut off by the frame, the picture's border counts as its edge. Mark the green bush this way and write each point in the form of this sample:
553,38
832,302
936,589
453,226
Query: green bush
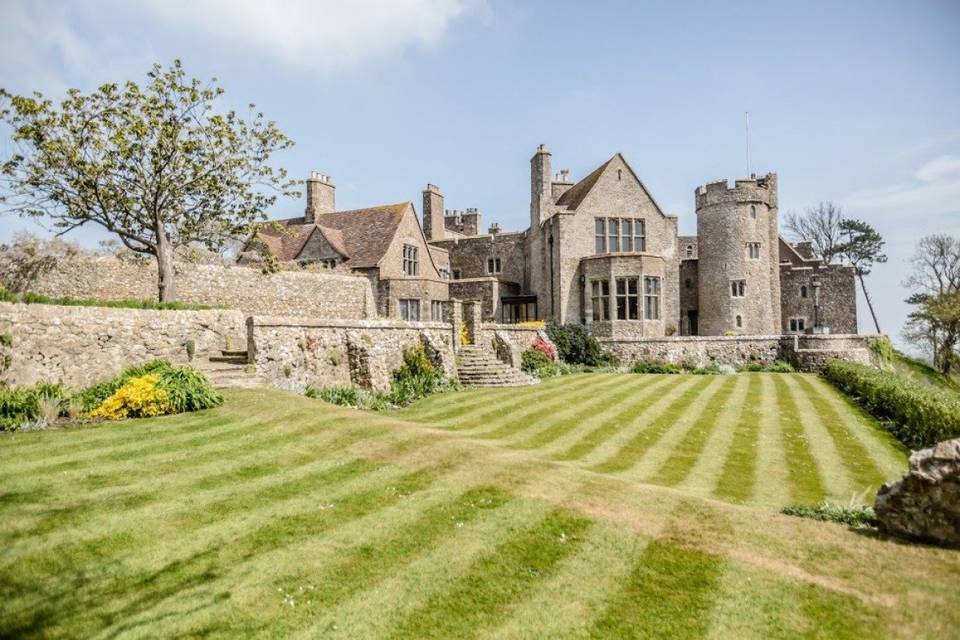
537,364
655,366
350,397
882,347
92,397
23,405
576,346
859,516
712,369
7,296
777,366
189,390
918,415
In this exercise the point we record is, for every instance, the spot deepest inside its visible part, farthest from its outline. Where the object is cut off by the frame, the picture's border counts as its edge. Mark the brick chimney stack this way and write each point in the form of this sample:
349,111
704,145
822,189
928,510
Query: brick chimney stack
321,196
433,225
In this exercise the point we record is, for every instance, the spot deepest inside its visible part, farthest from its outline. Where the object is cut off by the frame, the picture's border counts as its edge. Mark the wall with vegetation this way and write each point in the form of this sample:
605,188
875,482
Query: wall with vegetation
81,345
307,293
293,353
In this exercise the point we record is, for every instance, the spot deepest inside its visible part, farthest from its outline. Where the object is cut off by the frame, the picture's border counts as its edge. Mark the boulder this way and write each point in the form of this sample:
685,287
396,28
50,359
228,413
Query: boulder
925,504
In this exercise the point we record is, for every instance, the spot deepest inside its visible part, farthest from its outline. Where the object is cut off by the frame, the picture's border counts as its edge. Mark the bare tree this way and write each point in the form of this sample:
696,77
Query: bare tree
935,284
819,226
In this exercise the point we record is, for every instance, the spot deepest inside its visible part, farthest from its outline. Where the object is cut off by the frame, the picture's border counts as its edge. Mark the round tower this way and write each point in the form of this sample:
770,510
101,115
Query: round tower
739,257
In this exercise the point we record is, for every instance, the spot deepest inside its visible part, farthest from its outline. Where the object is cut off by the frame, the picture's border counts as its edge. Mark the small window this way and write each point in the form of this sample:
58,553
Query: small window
613,235
739,322
651,298
411,264
628,297
409,309
798,325
619,174
600,298
601,235
738,288
803,291
639,235
457,274
753,250
493,265
689,250
753,211
627,228
436,310
688,284
329,263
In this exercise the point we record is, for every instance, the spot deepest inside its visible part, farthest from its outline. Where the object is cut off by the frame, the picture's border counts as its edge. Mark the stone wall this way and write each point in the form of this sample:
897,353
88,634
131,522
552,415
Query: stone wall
305,293
82,345
806,353
838,296
295,352
507,341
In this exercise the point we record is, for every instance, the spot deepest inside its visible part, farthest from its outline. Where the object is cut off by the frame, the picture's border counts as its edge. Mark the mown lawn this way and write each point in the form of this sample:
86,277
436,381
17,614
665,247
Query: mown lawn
589,506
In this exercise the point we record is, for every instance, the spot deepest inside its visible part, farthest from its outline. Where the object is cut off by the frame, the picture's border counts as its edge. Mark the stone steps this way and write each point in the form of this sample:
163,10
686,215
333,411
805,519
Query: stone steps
231,370
477,368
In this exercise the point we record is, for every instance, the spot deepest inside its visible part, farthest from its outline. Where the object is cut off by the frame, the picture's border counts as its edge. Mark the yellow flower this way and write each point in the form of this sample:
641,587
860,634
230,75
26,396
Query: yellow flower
138,397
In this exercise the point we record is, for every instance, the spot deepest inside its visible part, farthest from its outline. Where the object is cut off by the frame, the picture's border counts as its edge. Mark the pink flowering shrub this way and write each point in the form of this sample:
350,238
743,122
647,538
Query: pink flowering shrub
544,347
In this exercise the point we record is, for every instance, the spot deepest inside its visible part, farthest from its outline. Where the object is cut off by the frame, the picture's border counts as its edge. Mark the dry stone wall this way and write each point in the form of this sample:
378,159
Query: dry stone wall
82,345
303,293
292,352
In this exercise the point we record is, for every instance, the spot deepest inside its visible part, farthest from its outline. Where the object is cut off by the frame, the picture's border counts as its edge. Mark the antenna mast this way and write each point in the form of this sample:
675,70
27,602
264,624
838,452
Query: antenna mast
746,122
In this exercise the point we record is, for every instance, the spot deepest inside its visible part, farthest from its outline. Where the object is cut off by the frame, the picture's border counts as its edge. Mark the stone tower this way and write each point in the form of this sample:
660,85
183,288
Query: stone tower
321,196
739,272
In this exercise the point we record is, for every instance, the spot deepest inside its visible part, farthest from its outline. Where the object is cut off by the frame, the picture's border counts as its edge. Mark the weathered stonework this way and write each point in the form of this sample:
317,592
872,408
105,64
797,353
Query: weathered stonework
82,345
295,352
312,294
925,504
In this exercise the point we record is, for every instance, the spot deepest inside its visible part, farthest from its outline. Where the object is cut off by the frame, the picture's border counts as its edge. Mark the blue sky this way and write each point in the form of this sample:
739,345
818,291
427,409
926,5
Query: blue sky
854,102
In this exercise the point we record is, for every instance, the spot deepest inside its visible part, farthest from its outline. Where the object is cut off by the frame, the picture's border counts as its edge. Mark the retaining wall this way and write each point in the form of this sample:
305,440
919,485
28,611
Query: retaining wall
307,293
293,352
82,345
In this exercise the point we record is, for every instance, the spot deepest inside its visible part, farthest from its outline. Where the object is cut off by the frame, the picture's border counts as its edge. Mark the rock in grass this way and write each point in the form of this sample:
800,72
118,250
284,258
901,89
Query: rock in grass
925,504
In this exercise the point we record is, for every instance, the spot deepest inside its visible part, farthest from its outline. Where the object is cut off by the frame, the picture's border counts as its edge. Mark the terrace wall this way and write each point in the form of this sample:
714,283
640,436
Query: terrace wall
82,345
306,293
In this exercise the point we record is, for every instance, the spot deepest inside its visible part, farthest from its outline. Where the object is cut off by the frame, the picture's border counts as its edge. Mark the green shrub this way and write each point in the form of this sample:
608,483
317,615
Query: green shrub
918,415
416,378
780,366
92,397
535,363
23,405
350,397
7,296
576,346
29,297
655,366
191,348
882,347
712,369
188,389
752,367
859,516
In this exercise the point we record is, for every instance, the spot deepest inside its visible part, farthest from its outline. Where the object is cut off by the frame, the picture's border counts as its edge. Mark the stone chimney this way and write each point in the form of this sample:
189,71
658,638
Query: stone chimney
433,224
540,191
321,196
471,221
561,182
494,228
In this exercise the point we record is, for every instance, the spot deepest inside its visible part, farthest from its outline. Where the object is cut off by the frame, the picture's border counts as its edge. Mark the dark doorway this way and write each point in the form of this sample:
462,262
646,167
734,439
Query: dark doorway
692,318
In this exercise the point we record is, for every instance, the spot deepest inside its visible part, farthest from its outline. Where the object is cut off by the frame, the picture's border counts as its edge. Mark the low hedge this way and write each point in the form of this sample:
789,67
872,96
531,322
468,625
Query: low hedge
29,297
918,415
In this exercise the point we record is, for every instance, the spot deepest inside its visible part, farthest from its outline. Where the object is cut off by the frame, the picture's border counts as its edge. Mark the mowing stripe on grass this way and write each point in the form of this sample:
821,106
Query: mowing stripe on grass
637,409
738,473
669,594
721,412
847,469
535,415
574,417
648,435
772,486
806,481
486,591
886,453
704,408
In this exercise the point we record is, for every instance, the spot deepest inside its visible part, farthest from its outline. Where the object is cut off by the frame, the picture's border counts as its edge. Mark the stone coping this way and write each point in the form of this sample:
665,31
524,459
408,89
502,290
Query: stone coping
496,326
748,338
86,310
323,323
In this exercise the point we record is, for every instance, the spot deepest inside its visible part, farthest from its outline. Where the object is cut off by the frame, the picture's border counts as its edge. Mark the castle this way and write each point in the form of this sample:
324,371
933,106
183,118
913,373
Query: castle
600,252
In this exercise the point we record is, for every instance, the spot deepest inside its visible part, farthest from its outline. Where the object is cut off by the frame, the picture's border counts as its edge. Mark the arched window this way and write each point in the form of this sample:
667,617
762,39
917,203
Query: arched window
753,211
739,322
689,250
803,291
619,173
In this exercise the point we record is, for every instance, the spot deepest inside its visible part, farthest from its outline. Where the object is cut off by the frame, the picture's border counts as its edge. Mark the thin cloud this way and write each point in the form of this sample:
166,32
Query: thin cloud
934,192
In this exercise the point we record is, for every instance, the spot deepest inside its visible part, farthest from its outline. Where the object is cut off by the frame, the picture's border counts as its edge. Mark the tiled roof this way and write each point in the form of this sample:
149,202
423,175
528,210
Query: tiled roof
362,236
573,196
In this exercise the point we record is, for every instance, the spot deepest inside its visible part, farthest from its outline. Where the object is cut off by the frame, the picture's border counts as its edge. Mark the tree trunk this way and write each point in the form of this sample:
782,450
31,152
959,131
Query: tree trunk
167,290
866,295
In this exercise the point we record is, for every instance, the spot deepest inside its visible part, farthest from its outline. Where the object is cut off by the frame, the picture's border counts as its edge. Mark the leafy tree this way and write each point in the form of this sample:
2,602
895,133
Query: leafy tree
155,165
862,247
820,226
935,323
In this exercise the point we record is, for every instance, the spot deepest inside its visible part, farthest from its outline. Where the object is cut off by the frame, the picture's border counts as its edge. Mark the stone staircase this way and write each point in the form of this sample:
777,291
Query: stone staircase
231,369
477,368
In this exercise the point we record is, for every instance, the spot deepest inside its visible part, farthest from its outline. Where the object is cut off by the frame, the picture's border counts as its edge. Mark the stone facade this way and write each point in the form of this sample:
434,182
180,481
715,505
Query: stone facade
313,294
294,352
82,345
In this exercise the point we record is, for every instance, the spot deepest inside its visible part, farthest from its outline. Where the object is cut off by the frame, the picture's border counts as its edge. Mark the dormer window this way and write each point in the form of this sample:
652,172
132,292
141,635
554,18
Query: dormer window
411,262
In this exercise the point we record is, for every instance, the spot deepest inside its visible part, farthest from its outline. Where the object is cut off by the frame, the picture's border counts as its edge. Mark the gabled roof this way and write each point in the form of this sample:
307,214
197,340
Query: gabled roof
574,196
362,236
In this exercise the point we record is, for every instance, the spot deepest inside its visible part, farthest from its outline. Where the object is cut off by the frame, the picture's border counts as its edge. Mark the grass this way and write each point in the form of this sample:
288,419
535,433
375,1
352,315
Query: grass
30,297
590,506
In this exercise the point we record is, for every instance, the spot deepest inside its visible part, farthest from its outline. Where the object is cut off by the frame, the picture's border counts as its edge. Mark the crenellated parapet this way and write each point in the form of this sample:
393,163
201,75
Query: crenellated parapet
762,189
